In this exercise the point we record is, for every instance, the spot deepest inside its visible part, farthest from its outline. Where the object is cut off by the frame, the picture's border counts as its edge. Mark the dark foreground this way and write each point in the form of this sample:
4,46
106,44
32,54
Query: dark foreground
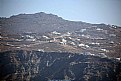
54,66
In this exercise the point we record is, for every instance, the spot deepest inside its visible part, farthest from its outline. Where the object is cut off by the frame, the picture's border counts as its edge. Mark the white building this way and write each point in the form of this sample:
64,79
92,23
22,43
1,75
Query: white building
63,41
56,33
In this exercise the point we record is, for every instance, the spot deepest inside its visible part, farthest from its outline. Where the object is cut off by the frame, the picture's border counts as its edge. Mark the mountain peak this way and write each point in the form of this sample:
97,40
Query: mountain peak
36,15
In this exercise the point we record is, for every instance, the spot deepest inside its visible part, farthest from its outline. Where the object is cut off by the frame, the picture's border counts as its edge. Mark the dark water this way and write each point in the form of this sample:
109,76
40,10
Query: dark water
52,66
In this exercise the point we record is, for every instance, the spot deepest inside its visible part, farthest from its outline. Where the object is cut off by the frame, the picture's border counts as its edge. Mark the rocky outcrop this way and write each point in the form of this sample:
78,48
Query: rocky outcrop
54,66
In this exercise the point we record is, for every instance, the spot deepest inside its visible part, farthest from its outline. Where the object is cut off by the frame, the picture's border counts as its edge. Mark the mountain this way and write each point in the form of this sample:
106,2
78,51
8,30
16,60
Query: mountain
45,47
39,23
48,32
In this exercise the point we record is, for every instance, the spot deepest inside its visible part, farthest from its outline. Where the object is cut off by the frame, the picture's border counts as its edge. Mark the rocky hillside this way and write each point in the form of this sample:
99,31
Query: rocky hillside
54,66
38,23
45,47
50,33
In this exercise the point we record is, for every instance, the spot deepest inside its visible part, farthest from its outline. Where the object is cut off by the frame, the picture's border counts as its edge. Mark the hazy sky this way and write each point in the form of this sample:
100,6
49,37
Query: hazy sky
93,11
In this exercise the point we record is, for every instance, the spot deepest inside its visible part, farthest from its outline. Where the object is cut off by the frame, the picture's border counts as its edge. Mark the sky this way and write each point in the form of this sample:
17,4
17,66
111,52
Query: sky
91,11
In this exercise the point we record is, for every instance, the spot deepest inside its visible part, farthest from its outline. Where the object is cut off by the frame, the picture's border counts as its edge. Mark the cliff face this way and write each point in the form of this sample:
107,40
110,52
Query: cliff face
51,66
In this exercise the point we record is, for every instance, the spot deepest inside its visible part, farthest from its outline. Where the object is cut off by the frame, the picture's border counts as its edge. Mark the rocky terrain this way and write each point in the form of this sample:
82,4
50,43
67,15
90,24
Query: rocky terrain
25,37
47,32
55,66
